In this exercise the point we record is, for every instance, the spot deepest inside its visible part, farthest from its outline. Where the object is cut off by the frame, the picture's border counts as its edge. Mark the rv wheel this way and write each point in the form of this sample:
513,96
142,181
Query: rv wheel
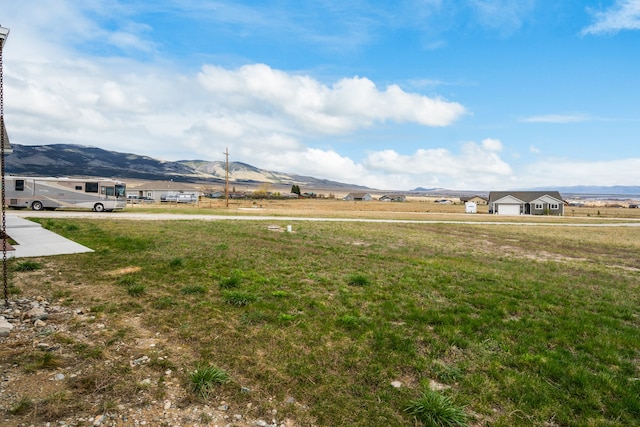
99,207
36,206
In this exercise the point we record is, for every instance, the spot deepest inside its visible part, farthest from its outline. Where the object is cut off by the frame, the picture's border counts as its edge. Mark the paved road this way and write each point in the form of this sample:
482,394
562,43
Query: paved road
567,222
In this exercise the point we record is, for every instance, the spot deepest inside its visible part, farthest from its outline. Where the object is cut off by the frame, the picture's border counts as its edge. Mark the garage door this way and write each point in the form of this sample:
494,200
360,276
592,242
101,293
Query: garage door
508,209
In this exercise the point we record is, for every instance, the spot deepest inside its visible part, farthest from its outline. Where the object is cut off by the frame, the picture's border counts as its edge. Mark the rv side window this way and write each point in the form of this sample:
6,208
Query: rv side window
91,187
107,191
19,184
79,187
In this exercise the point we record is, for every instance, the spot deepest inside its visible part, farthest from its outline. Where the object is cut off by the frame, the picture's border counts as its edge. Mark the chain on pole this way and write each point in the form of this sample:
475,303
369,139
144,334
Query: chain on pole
5,279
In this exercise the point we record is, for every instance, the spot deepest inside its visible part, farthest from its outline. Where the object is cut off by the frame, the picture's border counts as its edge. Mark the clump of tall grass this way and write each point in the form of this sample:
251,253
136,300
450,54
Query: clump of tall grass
136,290
127,280
193,290
358,280
23,406
27,266
231,282
238,298
176,263
45,360
205,378
436,410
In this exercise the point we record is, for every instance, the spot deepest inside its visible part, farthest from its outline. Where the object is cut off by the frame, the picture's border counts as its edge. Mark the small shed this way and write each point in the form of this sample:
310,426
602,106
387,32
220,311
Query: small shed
471,207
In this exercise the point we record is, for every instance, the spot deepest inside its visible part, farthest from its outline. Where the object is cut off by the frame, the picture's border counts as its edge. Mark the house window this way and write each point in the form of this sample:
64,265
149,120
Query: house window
554,206
19,183
539,206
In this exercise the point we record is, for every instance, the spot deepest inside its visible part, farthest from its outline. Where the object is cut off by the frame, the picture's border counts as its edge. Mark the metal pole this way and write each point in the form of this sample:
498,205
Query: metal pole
226,182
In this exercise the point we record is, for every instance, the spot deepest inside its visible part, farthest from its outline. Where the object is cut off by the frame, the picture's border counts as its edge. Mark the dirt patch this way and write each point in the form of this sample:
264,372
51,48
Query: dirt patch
123,271
72,366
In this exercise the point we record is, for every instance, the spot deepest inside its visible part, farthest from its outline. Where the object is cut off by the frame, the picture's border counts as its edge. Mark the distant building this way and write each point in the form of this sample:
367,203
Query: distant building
478,200
393,198
165,191
526,203
358,197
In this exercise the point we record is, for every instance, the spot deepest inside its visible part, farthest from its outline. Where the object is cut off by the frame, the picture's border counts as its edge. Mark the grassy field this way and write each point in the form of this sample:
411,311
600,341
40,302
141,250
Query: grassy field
479,324
414,209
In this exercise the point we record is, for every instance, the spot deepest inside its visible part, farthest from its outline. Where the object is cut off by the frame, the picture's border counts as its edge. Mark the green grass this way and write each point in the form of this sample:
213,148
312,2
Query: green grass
523,325
23,406
42,360
136,289
232,281
358,280
204,379
27,266
193,290
128,280
433,409
238,298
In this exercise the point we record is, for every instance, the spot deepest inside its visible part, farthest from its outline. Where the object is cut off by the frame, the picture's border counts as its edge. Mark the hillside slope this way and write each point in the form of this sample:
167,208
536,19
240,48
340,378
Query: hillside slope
79,160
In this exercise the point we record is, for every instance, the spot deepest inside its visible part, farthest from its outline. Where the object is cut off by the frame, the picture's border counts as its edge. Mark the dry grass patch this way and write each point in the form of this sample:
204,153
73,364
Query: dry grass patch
123,271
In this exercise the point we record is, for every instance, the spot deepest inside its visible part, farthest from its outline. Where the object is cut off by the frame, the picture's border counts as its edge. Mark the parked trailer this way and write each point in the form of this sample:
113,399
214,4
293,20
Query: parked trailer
38,193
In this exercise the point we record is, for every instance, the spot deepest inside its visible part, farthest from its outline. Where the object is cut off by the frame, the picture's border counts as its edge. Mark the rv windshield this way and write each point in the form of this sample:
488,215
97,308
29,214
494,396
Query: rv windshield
121,190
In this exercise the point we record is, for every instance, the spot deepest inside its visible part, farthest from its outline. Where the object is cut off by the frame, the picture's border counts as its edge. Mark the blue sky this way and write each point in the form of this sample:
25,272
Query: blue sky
459,94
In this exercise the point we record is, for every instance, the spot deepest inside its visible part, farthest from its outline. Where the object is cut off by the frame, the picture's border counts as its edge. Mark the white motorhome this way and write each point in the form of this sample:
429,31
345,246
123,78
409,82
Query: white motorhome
38,193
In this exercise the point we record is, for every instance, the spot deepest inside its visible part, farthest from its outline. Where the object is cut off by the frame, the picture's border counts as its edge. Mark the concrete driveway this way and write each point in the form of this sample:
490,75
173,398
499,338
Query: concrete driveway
34,241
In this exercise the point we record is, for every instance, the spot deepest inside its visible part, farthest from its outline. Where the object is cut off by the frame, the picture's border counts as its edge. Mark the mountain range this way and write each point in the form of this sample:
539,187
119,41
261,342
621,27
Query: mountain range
80,160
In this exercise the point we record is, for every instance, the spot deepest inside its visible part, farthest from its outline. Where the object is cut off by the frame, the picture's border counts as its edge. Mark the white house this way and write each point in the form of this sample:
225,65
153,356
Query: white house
526,203
363,197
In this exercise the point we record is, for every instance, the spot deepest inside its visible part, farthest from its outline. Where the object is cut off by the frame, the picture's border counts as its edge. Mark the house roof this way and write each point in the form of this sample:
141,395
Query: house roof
358,195
164,186
525,196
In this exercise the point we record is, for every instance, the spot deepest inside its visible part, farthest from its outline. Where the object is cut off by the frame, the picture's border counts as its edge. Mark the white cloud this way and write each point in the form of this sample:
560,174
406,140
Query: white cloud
503,15
533,149
622,15
574,172
475,166
491,144
558,118
272,118
349,104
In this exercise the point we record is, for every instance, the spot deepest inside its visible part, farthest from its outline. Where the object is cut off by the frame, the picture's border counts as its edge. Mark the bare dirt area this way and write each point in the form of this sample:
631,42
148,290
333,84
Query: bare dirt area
66,365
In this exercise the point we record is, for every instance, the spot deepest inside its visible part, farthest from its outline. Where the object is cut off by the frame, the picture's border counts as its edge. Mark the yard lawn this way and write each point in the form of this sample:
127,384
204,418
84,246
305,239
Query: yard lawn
516,325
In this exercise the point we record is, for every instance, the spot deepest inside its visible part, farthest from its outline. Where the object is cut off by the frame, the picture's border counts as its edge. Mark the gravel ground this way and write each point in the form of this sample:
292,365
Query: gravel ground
47,380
